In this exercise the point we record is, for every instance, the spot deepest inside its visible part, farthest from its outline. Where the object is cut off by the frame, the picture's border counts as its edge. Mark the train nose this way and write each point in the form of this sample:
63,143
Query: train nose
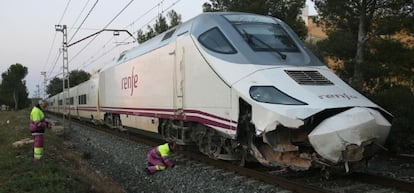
342,137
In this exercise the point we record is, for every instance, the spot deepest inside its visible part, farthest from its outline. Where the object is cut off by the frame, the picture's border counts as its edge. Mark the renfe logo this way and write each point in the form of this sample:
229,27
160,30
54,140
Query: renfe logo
338,96
130,82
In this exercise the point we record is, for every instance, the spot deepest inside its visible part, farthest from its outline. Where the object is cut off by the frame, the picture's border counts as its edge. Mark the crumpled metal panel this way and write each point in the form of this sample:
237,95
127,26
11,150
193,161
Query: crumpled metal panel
294,160
341,138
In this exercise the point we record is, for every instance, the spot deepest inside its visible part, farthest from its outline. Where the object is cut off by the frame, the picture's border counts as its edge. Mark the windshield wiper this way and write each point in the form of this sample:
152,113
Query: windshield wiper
249,41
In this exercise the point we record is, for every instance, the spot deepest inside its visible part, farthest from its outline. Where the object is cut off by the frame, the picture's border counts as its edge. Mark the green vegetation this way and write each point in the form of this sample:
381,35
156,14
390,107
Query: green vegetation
75,76
60,171
365,41
13,91
19,173
286,10
160,26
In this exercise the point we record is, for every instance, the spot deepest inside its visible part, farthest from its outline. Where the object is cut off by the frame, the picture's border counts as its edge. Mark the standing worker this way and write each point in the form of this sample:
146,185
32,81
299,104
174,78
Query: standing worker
38,124
157,157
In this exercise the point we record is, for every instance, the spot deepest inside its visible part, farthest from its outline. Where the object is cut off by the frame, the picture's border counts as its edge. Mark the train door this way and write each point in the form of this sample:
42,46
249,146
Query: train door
179,64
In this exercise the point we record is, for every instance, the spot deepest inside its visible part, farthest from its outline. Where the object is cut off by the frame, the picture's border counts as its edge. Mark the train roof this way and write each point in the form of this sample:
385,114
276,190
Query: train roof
154,43
170,35
201,24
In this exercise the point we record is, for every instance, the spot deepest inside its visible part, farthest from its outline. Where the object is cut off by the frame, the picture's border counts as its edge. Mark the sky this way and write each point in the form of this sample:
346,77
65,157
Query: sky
28,35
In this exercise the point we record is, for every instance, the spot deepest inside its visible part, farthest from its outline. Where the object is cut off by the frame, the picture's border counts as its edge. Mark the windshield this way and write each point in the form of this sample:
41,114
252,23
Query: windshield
263,34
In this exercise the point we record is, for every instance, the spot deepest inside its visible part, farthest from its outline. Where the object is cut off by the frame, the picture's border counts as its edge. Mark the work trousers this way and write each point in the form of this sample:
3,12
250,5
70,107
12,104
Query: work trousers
38,146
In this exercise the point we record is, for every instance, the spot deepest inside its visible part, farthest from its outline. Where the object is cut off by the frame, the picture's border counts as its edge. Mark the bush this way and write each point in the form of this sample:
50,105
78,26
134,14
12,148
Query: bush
400,102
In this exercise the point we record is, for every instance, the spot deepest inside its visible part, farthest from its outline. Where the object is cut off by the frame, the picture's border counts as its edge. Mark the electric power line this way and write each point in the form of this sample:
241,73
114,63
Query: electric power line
154,18
54,38
54,65
86,17
64,12
79,15
113,19
86,63
50,51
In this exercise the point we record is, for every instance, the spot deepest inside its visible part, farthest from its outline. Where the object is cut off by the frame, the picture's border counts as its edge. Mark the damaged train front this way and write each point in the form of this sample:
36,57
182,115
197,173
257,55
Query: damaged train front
310,126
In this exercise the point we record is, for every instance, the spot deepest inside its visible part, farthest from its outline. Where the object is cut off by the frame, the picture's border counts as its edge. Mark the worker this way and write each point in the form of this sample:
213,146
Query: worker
38,124
158,157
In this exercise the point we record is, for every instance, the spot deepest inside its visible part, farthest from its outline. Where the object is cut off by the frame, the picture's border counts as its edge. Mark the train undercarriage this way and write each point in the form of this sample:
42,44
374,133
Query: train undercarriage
279,147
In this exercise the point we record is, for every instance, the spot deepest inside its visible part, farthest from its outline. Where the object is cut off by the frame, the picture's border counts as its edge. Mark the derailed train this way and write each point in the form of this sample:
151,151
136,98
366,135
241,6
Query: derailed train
239,86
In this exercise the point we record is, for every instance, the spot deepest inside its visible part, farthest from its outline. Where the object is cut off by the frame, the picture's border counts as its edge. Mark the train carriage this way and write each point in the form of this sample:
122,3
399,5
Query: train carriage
86,100
241,86
72,101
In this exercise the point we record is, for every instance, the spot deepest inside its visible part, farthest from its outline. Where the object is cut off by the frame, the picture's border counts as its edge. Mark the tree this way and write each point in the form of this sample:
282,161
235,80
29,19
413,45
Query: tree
175,18
364,20
13,89
54,87
78,76
363,35
286,10
160,26
75,77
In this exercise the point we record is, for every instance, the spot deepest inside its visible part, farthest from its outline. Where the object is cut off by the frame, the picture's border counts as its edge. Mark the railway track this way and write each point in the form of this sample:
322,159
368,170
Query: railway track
308,183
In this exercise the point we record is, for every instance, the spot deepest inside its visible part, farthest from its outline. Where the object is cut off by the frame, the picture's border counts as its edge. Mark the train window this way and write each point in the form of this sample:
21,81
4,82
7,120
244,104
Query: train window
266,37
168,35
262,33
60,102
82,99
69,101
215,40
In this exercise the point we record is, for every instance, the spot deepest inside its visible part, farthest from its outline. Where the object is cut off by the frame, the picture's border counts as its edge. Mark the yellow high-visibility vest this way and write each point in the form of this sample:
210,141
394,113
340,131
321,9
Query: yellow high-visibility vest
36,114
164,150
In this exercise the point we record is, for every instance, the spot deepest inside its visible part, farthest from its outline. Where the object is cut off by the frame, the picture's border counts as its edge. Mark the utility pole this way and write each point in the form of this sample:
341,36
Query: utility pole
66,100
65,73
44,83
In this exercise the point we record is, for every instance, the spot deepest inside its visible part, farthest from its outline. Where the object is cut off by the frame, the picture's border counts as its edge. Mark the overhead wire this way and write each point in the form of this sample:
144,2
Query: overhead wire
138,18
85,64
50,51
64,12
54,65
59,53
54,39
109,23
78,17
80,14
84,19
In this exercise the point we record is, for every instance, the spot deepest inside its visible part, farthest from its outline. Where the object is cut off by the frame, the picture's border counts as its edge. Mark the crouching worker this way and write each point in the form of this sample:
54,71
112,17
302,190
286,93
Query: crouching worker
38,124
157,157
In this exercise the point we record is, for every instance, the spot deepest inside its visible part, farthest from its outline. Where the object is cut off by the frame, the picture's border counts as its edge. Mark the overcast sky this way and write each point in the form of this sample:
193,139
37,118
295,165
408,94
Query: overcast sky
28,34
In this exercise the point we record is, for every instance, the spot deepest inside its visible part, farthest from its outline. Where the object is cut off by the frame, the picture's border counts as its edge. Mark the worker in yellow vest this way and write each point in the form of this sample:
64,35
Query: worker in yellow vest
158,157
38,124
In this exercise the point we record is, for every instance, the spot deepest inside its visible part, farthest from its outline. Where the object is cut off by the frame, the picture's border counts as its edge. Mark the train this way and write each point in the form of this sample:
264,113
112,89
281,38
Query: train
239,87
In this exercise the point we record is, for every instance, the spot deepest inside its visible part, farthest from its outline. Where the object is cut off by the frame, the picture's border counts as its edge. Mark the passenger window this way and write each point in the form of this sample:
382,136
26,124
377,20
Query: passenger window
214,40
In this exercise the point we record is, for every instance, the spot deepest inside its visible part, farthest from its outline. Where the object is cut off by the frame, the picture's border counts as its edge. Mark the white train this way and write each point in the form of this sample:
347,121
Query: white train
240,86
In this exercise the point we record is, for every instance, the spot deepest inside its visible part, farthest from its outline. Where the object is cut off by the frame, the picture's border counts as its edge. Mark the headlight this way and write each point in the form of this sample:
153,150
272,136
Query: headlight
270,94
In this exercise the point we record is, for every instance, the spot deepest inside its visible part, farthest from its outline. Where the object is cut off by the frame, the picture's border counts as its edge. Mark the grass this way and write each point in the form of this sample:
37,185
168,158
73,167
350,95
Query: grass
62,170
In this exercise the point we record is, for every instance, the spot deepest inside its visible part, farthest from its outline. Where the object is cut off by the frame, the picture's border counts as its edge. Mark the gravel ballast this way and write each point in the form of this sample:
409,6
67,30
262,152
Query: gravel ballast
124,161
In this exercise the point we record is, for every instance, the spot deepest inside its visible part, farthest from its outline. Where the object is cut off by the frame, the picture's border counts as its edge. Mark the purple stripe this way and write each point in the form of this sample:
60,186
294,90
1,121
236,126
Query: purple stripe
172,110
88,110
209,115
140,109
209,122
179,117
